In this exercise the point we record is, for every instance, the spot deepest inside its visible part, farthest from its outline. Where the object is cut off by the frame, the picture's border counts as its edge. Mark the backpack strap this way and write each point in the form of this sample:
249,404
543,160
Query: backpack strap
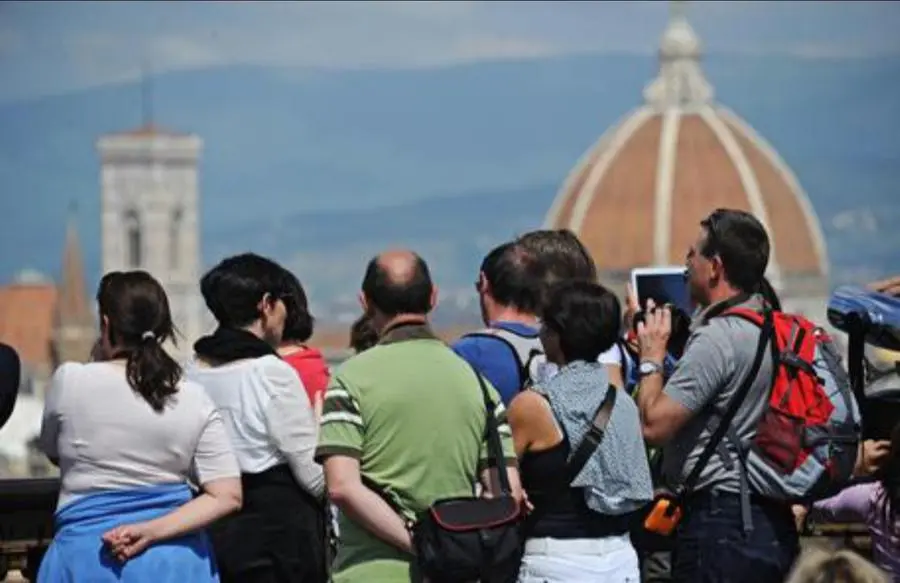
592,439
523,359
520,367
734,404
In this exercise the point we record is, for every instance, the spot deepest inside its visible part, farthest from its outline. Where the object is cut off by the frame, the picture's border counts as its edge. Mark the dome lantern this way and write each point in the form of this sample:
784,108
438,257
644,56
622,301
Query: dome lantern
637,196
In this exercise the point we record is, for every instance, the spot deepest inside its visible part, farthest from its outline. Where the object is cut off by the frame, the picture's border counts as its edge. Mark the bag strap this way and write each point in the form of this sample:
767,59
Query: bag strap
592,439
524,349
765,336
492,435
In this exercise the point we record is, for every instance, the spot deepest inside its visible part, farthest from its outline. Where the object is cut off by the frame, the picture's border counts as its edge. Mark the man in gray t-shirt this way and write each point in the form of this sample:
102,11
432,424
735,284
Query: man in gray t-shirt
718,358
714,541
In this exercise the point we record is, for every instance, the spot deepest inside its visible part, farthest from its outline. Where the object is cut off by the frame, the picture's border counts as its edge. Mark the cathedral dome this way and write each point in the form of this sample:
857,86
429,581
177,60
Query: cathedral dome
637,196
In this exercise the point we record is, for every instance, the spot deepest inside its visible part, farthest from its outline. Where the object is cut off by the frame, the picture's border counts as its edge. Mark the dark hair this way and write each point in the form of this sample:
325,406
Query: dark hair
741,242
513,278
890,482
586,316
138,323
560,254
769,294
10,378
392,296
298,325
363,335
233,289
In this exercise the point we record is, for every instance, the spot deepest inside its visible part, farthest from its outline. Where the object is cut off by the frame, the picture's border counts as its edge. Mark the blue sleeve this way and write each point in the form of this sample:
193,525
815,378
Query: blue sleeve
494,359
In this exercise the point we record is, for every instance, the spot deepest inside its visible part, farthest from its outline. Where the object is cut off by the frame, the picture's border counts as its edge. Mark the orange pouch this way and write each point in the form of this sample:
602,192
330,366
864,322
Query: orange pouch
663,517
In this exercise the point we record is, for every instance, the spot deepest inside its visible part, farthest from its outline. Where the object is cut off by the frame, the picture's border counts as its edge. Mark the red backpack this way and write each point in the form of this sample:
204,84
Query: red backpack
808,437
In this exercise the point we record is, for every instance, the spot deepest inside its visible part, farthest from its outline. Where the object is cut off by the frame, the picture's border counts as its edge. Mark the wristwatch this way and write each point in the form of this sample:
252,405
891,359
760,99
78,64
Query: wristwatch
648,367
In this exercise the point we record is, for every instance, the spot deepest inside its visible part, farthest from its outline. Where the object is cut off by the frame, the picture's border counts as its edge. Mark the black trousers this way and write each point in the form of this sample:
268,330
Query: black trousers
279,536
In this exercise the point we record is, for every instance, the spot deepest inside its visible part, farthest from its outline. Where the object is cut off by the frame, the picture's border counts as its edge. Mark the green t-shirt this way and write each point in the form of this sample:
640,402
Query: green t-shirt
413,414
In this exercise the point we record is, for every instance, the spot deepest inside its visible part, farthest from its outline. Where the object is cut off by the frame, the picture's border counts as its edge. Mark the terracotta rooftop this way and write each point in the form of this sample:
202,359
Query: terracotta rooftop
26,321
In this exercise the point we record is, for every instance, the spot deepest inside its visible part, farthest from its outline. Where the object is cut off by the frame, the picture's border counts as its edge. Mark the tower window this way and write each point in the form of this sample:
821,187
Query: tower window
175,237
133,239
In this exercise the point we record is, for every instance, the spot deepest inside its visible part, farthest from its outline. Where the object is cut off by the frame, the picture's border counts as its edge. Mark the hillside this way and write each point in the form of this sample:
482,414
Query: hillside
322,168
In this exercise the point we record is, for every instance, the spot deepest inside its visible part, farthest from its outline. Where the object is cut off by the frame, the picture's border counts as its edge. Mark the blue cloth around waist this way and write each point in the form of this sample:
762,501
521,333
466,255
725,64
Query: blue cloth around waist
78,552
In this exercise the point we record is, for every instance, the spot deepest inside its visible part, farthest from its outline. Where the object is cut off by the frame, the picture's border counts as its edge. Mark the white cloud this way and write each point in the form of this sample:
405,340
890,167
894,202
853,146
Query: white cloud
106,41
483,47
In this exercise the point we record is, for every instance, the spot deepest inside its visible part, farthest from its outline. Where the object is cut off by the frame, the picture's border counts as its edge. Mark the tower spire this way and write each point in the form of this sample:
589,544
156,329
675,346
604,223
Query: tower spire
680,82
677,10
73,309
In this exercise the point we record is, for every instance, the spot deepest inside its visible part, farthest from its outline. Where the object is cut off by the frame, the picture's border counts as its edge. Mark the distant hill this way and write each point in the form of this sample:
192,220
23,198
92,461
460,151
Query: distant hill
321,168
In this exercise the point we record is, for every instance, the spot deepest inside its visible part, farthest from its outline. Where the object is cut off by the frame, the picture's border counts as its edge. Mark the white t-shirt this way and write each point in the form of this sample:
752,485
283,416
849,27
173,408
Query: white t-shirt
268,415
106,436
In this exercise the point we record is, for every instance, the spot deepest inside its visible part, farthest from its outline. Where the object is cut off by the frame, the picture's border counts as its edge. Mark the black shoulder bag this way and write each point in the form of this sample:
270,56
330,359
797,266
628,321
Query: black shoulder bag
473,539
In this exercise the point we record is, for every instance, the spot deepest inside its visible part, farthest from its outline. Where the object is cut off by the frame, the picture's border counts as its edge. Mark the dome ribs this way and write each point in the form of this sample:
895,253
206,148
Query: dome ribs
796,251
618,222
705,179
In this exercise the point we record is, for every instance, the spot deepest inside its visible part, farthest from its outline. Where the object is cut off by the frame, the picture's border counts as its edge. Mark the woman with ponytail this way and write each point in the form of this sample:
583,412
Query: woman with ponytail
129,435
876,503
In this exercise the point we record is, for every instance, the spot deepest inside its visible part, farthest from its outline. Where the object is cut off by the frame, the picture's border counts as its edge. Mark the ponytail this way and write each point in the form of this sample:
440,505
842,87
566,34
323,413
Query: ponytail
136,320
151,372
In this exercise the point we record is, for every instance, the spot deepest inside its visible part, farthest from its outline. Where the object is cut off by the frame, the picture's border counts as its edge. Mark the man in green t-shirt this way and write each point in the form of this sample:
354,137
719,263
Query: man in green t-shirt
403,425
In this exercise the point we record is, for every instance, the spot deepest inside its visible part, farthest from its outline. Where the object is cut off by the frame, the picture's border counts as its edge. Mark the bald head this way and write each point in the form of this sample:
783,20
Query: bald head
398,282
399,265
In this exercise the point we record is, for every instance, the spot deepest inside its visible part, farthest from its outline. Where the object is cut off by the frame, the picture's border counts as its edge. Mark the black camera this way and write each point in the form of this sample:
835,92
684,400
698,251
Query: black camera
681,328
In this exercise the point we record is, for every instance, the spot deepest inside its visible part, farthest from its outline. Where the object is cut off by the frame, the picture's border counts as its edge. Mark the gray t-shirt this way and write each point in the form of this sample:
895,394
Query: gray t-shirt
715,363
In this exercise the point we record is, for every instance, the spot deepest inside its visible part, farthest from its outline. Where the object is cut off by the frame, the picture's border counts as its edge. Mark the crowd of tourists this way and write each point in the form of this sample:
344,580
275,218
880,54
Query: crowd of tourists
576,438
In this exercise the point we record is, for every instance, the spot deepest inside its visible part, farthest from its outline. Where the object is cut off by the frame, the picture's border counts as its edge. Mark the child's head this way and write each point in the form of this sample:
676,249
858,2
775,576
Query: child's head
821,565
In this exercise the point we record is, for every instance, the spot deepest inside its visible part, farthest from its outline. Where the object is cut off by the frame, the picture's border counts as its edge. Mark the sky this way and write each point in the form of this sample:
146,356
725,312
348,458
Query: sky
56,47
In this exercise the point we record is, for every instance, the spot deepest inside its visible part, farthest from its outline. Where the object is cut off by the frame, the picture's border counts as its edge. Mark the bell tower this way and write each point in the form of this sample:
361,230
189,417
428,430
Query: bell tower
150,219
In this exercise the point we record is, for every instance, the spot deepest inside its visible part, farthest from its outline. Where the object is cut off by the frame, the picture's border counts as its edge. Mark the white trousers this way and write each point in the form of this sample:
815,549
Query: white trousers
606,560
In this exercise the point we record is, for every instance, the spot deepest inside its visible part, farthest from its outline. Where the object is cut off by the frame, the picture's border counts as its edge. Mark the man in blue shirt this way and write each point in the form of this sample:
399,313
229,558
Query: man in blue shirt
509,349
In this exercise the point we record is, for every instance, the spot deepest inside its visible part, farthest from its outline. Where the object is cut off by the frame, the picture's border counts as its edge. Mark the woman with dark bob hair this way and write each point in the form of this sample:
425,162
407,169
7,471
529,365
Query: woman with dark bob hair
279,535
298,329
579,528
127,432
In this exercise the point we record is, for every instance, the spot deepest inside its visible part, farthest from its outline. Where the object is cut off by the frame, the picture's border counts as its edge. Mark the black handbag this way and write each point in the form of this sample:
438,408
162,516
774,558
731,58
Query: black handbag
473,539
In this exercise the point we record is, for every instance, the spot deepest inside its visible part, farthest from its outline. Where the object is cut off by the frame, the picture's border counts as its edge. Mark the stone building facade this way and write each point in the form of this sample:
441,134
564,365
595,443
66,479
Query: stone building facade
150,217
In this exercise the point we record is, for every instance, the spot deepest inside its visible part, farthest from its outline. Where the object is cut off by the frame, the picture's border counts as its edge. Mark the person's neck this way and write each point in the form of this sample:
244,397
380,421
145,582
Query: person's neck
402,320
257,330
509,314
290,347
723,293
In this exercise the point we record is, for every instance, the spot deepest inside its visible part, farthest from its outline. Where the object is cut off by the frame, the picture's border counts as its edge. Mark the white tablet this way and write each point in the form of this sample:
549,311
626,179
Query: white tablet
664,285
